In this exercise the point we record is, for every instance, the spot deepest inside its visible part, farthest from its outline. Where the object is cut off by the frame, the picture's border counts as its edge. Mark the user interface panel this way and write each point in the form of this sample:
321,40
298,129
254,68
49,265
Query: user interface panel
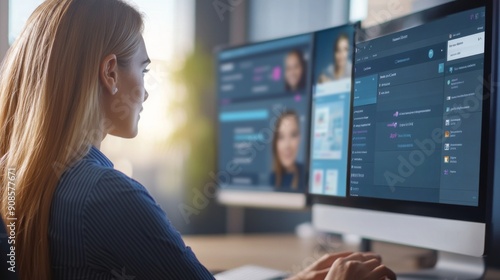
264,105
417,112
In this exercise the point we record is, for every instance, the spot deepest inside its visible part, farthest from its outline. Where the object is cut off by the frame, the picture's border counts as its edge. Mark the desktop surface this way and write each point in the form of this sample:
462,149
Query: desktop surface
290,253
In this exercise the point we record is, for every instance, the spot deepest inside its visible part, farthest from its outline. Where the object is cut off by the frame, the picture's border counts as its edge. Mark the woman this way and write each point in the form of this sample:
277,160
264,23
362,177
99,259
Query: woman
287,172
341,68
295,68
73,76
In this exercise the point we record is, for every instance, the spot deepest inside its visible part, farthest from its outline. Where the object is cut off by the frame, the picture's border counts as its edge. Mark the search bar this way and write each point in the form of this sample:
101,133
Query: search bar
466,46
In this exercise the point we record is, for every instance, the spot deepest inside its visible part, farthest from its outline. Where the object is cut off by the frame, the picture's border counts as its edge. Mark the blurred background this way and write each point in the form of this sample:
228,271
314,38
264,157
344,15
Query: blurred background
174,153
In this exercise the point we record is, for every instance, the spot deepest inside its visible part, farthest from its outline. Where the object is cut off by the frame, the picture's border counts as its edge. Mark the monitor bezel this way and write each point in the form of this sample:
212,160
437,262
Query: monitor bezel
436,210
493,203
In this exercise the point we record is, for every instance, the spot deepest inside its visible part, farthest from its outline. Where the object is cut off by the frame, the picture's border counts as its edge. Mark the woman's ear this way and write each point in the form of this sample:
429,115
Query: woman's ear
108,74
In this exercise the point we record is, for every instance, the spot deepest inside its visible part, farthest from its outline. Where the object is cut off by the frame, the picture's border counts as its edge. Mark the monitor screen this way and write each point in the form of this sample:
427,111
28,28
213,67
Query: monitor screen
420,132
263,116
417,115
331,109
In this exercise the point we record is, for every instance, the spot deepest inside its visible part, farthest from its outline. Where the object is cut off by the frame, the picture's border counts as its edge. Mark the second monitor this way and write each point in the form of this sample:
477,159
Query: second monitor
264,108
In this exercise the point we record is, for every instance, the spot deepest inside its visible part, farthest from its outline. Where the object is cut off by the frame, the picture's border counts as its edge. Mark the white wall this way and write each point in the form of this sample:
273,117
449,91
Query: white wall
278,18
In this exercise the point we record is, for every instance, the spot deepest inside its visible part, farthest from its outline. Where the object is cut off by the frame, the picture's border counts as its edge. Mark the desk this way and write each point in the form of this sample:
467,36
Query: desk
292,254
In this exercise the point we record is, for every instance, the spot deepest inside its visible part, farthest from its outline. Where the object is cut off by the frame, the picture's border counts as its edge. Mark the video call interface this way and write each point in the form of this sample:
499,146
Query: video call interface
264,105
417,112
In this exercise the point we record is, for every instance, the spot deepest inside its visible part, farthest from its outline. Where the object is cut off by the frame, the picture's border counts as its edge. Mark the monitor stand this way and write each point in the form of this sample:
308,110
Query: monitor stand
450,266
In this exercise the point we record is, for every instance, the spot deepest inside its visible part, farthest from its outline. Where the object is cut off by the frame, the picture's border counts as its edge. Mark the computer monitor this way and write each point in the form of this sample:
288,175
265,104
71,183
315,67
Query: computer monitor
263,123
419,171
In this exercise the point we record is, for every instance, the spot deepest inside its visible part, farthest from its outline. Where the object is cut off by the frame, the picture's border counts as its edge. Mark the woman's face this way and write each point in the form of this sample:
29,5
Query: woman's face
123,107
341,53
288,141
293,71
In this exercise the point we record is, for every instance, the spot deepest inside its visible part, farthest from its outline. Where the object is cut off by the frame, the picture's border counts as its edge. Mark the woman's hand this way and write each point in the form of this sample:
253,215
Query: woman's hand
360,267
319,269
346,266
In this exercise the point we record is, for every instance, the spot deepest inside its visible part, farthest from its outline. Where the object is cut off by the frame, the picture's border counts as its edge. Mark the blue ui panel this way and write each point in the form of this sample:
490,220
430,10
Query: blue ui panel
417,115
331,110
264,107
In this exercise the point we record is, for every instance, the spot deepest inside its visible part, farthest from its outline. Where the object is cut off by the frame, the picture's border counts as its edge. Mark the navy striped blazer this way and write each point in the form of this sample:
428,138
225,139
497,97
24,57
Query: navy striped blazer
105,225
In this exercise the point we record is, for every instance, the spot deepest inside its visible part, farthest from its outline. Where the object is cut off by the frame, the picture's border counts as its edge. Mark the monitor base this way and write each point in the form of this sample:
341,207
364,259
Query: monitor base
450,266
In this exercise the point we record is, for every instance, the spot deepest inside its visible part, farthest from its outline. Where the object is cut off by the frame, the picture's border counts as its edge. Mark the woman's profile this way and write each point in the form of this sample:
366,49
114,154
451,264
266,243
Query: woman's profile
287,172
74,76
295,71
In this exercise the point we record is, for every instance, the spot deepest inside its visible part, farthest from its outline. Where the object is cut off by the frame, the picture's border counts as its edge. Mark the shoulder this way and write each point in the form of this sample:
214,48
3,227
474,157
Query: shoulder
95,176
116,190
92,188
86,171
77,183
114,180
118,205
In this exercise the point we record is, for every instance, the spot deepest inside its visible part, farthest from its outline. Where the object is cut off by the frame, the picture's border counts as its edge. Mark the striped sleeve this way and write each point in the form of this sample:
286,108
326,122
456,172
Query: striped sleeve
127,234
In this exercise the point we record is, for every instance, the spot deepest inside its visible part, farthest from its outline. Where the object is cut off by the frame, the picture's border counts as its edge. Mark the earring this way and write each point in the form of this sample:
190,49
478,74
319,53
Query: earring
115,90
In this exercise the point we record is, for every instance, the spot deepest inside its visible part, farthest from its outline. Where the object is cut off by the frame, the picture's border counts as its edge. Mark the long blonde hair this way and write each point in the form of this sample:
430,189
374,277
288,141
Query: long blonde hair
50,109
